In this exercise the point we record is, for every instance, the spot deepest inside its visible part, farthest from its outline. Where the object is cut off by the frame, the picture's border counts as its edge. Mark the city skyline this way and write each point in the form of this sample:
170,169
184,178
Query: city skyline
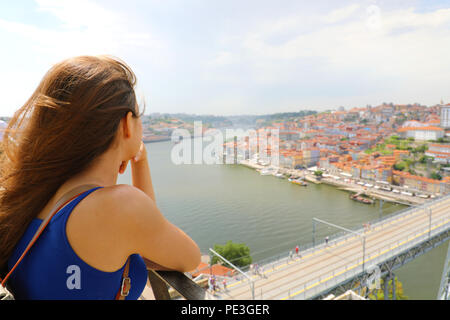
239,58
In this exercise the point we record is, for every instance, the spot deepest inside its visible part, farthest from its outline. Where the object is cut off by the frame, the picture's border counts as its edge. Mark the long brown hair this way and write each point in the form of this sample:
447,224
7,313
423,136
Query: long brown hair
70,120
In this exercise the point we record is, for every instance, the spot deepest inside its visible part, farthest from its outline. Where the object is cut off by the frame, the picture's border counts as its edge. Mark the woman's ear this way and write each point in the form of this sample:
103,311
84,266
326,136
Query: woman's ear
126,124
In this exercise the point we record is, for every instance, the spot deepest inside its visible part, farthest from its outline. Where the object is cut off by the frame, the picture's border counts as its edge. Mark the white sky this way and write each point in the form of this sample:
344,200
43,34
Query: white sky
238,57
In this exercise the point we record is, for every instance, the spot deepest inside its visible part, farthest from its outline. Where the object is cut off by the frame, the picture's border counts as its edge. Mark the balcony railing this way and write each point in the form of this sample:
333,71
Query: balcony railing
161,281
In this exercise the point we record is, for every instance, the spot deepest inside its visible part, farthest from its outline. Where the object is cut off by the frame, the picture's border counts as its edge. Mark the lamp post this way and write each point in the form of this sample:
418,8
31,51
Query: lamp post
345,229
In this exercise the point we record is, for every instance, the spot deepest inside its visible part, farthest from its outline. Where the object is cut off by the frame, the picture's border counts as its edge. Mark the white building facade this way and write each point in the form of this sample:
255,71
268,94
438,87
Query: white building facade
422,133
445,116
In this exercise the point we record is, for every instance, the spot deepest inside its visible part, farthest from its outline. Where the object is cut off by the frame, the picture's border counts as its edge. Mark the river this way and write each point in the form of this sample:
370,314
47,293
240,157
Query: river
217,203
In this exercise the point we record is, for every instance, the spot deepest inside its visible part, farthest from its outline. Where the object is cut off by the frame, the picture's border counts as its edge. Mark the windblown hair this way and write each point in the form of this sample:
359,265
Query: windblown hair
70,120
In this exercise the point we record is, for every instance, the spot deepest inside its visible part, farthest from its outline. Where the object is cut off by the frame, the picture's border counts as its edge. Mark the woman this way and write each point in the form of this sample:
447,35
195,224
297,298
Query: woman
82,127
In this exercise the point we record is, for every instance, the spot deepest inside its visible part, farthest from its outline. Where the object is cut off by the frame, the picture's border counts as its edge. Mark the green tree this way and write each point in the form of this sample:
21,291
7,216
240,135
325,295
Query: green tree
424,159
420,149
400,166
409,162
318,173
237,253
435,176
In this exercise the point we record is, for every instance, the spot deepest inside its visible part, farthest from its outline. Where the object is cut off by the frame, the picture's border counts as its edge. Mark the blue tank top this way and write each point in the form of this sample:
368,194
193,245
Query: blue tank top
51,270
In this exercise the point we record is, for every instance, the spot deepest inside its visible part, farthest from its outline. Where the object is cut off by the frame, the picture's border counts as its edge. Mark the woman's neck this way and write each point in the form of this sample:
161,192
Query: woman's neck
102,172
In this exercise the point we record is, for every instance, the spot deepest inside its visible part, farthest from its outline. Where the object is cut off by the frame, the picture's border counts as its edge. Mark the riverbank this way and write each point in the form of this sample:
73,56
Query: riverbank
375,193
155,139
343,185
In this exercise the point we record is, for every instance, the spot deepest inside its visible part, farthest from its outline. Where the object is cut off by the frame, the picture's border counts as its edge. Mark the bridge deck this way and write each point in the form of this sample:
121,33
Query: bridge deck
305,276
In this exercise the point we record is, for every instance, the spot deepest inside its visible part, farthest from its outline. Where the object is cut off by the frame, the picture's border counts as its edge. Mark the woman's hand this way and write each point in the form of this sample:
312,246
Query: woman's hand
139,157
140,172
123,166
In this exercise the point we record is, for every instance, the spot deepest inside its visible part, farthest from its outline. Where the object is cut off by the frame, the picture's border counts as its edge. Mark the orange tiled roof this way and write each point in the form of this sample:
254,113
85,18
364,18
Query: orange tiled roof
440,153
429,128
216,269
439,145
410,176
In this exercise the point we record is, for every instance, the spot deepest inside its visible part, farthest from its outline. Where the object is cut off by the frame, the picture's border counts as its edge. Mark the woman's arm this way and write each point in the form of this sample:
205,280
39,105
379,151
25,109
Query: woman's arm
140,171
143,229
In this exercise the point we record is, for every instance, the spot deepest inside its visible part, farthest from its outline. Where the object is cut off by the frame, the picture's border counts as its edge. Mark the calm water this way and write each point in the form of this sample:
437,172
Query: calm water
217,203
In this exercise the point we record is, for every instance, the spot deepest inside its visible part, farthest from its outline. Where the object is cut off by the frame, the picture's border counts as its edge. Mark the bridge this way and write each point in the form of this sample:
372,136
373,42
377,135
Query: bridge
352,259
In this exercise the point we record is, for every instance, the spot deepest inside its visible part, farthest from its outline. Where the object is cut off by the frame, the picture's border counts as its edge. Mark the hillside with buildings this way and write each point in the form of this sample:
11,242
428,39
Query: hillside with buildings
404,145
398,144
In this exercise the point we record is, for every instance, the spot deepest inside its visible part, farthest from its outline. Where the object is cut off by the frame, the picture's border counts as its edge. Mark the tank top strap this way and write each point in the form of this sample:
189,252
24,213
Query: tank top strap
67,209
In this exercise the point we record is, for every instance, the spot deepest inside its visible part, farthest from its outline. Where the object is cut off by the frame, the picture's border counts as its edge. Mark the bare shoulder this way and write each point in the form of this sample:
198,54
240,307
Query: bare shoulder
125,205
121,192
122,201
